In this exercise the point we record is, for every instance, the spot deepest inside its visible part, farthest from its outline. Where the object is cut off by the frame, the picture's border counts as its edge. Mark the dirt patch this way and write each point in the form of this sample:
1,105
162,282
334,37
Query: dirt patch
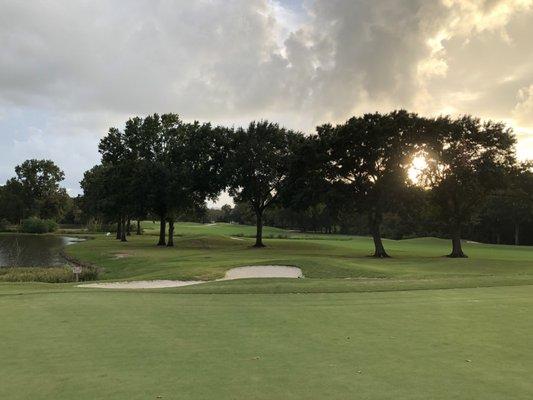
122,255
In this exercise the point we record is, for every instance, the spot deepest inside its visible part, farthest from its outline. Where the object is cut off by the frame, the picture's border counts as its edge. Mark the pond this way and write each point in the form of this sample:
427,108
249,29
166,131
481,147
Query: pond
33,250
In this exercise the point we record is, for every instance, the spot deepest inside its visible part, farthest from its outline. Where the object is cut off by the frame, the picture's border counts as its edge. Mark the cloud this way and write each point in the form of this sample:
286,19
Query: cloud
523,112
70,69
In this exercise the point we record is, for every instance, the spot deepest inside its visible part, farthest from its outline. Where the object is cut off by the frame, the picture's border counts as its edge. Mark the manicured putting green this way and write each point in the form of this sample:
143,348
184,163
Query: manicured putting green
63,343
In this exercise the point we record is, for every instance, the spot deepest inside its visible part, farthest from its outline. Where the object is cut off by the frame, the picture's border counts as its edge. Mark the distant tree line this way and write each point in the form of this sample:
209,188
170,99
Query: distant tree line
348,178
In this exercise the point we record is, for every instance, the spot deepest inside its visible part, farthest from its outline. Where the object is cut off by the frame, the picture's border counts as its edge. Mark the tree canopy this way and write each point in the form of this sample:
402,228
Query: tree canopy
259,163
353,177
467,160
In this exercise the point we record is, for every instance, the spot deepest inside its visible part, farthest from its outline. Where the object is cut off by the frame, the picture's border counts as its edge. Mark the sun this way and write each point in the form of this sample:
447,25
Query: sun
418,165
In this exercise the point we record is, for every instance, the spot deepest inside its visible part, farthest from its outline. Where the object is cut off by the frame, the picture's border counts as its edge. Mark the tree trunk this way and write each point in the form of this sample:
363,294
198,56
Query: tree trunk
170,242
119,226
259,225
128,227
123,232
162,229
517,234
457,249
139,232
375,227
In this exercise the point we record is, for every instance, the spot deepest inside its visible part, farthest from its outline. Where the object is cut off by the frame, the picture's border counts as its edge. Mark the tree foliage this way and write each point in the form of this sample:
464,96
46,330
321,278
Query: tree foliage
467,160
260,159
367,162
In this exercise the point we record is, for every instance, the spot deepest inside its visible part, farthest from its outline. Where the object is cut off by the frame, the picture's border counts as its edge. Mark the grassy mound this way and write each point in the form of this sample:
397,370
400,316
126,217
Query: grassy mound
333,262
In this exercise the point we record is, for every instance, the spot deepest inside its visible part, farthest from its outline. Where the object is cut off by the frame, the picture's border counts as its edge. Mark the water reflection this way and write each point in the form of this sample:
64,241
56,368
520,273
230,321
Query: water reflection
33,250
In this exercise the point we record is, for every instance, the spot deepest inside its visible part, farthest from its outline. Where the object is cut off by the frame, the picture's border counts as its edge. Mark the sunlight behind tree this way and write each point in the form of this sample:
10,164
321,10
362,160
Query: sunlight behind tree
418,165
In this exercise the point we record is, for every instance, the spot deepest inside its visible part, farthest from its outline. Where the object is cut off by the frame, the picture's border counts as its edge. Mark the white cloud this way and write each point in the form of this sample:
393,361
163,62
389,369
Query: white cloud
523,112
83,66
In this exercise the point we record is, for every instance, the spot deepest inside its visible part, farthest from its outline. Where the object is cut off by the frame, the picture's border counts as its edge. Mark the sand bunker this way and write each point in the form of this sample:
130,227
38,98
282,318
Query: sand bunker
255,271
139,284
263,271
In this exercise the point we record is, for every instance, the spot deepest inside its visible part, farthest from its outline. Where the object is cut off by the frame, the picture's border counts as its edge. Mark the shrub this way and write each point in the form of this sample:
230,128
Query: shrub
4,224
97,226
89,273
47,275
37,225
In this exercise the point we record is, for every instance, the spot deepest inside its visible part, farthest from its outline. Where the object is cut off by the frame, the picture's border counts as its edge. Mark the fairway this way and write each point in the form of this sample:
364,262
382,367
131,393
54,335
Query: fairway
266,200
432,344
330,263
416,326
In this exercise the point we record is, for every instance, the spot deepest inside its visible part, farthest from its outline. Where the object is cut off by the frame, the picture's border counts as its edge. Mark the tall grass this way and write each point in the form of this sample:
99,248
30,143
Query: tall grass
47,275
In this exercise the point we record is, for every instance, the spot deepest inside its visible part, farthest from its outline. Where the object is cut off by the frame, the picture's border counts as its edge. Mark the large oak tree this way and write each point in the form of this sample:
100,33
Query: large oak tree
368,158
467,160
260,159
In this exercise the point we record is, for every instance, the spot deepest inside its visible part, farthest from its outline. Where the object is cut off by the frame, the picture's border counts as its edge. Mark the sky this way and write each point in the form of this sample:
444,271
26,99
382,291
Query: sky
70,69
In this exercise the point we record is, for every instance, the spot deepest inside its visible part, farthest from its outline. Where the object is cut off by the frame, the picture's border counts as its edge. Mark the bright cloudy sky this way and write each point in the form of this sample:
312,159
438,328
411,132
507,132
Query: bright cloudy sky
69,69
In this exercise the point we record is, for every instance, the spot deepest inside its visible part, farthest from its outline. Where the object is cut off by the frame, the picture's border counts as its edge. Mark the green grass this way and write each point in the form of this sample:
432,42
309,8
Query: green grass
219,228
354,328
432,344
331,262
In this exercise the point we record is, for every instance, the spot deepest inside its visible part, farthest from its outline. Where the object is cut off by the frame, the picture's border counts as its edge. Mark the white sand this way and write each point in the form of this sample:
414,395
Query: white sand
263,271
255,271
139,284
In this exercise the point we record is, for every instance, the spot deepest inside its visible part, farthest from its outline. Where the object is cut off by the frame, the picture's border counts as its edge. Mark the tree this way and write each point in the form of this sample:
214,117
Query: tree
39,186
512,204
163,166
315,200
467,160
117,174
194,156
143,145
98,202
12,201
225,213
367,162
259,163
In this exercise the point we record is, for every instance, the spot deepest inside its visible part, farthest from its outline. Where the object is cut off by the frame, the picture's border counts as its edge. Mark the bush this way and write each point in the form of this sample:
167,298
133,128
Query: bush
47,275
4,224
37,225
96,227
88,273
